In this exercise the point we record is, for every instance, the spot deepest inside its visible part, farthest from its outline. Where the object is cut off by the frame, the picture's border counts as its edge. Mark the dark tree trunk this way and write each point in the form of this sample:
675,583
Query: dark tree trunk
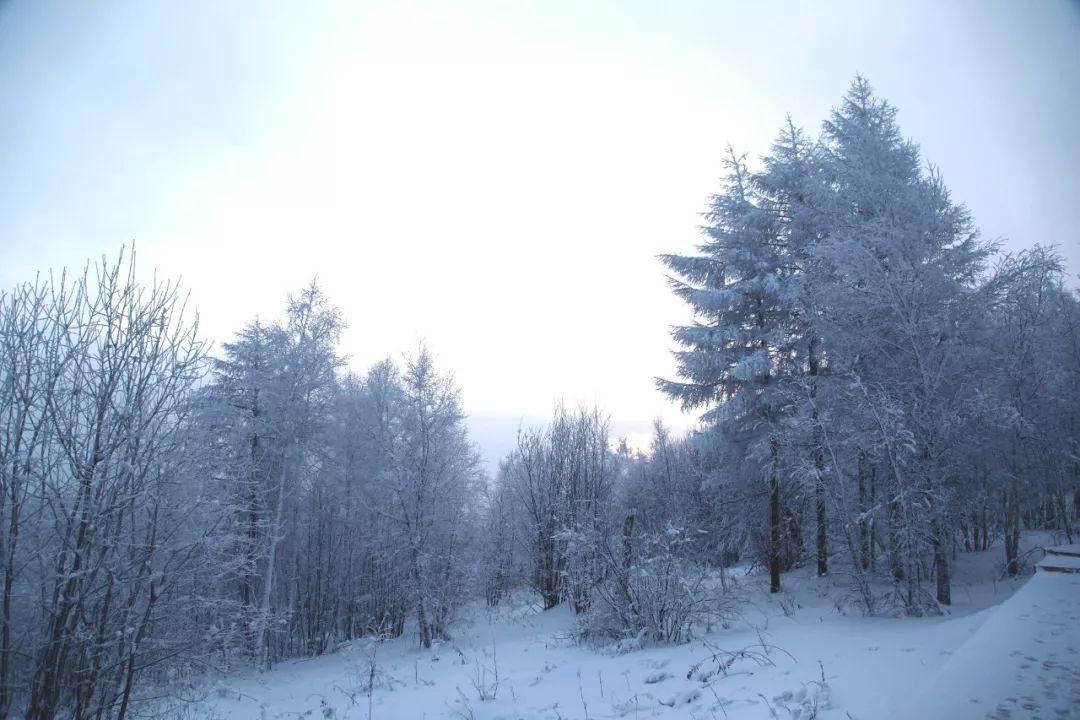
1012,530
985,527
895,562
628,543
821,510
548,580
627,564
1064,515
822,525
421,602
871,520
941,564
864,529
774,530
6,695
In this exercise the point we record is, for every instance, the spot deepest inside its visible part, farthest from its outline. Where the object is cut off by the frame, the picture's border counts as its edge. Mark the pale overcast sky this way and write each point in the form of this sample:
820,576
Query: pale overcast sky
495,177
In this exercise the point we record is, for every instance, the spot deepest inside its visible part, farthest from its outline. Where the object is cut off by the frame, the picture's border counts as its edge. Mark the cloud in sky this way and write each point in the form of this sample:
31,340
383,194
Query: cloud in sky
494,177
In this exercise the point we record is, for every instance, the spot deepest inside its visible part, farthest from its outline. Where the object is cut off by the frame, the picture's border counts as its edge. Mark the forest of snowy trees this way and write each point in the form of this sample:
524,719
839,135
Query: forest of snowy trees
890,387
879,390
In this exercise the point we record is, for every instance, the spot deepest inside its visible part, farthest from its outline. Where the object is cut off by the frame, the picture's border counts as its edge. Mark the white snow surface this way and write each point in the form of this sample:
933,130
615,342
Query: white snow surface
1024,662
809,653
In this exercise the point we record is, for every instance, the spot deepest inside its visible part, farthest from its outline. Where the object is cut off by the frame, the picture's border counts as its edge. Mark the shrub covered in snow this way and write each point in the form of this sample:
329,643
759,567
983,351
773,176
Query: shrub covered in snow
649,592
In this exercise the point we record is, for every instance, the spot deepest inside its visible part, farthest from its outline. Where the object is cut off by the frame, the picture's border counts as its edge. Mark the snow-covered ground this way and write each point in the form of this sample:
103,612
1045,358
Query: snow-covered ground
1024,662
806,653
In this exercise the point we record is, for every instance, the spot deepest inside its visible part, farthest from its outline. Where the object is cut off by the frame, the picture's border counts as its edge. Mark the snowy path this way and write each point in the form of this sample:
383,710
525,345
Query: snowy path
1024,662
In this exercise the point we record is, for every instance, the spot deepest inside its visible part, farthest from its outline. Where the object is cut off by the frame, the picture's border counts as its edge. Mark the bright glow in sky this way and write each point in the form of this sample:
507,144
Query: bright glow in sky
493,177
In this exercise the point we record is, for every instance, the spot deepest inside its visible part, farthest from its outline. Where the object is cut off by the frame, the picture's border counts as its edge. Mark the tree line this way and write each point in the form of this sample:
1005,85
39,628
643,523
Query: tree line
881,390
164,512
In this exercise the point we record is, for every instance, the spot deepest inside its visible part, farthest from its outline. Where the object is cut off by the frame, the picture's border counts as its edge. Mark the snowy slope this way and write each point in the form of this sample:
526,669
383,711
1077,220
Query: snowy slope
807,653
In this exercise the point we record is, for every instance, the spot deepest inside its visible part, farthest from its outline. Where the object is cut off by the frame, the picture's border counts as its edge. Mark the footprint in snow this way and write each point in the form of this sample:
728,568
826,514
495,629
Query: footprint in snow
684,698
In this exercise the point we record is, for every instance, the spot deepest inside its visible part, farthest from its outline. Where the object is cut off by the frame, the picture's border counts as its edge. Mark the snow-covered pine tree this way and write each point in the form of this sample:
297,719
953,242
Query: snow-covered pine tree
790,189
903,262
737,354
